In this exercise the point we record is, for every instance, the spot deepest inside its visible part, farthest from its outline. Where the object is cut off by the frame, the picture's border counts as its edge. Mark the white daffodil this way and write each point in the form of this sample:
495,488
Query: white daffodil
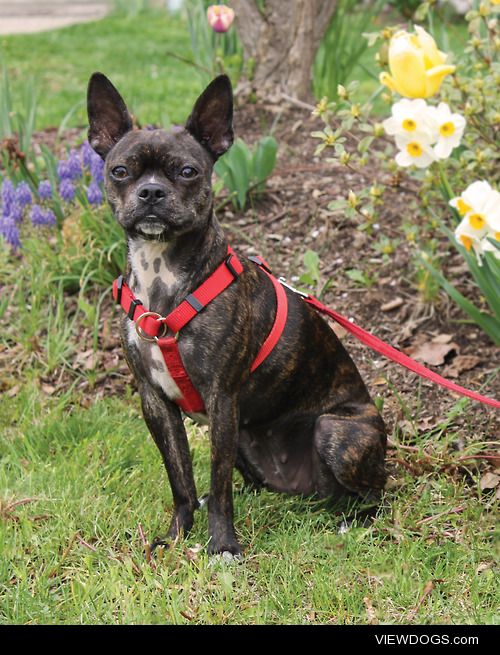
408,117
480,204
471,238
487,246
415,150
447,127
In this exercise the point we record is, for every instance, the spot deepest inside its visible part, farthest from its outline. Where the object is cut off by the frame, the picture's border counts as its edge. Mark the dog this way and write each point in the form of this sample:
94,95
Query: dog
303,421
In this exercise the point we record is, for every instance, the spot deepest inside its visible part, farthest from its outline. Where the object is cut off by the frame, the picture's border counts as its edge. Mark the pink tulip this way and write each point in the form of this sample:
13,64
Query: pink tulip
220,17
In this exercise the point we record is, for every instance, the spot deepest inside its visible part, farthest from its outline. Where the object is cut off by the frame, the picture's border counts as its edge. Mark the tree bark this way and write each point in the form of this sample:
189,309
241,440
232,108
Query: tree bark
282,41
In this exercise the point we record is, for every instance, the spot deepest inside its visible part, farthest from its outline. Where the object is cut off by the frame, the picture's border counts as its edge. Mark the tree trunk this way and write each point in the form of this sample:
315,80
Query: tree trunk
282,41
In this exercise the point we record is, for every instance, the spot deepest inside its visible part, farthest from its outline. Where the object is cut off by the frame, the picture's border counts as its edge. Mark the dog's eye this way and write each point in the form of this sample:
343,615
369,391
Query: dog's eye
119,172
188,172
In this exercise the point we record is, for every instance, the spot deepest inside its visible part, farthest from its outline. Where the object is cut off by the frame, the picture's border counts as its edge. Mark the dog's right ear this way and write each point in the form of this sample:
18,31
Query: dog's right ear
109,118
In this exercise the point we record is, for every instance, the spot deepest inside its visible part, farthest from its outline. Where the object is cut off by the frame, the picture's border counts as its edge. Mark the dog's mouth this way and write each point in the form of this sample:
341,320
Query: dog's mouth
150,226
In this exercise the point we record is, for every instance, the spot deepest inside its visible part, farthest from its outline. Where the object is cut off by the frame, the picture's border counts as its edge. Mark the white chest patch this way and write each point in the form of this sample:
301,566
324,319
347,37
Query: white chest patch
148,262
154,364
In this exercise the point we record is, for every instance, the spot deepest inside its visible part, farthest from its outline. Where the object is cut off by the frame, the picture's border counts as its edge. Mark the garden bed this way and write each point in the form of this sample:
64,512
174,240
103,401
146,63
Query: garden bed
292,217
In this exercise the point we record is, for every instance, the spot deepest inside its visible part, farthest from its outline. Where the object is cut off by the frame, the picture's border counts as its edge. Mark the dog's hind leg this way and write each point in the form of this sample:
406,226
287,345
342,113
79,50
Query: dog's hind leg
351,443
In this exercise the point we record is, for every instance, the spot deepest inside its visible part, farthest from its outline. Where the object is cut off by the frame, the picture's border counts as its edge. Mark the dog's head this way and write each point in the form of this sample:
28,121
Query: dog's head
158,182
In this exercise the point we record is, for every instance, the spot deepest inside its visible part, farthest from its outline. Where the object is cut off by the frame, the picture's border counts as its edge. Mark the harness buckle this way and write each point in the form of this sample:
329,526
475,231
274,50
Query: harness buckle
140,332
119,289
260,262
231,268
283,281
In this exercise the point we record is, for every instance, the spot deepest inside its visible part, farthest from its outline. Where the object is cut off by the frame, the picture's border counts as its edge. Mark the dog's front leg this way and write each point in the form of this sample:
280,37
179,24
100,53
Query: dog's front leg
223,420
164,421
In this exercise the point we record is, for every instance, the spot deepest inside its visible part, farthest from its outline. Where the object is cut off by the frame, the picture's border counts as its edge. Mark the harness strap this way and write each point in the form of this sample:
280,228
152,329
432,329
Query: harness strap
190,401
220,279
279,322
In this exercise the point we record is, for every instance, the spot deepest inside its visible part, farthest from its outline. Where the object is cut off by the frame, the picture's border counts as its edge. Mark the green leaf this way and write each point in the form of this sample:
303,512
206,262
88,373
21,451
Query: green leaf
489,324
311,262
264,159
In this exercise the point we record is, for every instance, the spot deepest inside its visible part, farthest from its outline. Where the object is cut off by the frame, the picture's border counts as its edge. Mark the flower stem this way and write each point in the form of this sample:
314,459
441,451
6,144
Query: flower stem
445,184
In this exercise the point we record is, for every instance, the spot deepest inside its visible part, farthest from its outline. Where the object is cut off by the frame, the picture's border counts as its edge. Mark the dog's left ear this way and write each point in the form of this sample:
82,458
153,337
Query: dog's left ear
211,121
109,118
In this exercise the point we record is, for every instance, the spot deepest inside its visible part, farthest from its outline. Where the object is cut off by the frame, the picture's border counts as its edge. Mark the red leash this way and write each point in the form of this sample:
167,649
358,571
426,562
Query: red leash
397,356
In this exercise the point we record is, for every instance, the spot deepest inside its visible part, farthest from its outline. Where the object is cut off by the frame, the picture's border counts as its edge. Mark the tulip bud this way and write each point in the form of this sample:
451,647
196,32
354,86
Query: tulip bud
220,17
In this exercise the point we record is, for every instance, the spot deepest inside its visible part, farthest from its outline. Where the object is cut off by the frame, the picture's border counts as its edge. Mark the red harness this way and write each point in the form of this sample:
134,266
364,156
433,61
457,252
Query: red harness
153,327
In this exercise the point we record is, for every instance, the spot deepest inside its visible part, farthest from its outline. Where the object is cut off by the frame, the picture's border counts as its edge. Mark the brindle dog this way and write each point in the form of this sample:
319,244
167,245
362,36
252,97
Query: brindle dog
303,422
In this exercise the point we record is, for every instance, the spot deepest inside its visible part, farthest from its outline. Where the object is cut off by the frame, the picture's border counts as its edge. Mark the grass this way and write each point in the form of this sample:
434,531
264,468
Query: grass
78,487
130,50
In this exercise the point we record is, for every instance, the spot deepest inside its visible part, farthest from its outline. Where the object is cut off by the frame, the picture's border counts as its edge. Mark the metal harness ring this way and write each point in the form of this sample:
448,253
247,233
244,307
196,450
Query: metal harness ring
140,332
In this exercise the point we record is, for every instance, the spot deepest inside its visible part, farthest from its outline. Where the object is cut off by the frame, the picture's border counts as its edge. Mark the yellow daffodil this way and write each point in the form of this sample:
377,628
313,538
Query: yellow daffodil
417,66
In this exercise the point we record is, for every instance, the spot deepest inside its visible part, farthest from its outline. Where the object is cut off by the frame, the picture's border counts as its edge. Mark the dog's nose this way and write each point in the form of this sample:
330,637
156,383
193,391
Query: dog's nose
151,193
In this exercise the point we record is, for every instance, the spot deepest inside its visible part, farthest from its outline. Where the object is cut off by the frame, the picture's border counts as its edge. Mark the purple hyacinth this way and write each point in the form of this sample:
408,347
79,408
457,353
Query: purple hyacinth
41,217
97,169
71,168
8,196
67,190
94,193
87,154
45,190
16,212
23,194
10,232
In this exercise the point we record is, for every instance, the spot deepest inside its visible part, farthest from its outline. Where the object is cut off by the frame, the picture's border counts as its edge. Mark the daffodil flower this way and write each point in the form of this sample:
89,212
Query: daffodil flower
448,128
415,149
220,17
480,203
408,116
417,66
479,206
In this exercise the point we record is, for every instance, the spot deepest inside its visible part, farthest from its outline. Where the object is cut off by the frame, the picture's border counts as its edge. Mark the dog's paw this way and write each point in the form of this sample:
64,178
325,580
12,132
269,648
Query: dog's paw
225,558
157,546
228,549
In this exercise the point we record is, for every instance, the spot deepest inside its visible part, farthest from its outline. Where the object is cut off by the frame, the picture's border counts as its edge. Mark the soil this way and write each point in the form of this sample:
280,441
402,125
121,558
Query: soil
292,217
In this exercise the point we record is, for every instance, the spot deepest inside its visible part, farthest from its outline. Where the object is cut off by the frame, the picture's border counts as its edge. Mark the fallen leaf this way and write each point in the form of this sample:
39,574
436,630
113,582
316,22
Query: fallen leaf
13,391
442,338
338,329
489,481
392,304
460,364
484,566
372,617
432,352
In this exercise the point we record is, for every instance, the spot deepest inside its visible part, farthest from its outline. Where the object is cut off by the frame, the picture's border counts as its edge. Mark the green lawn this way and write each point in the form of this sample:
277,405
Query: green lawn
131,51
78,487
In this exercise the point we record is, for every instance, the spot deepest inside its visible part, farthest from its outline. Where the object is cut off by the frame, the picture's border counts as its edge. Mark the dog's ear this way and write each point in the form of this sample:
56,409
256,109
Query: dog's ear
109,118
211,121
